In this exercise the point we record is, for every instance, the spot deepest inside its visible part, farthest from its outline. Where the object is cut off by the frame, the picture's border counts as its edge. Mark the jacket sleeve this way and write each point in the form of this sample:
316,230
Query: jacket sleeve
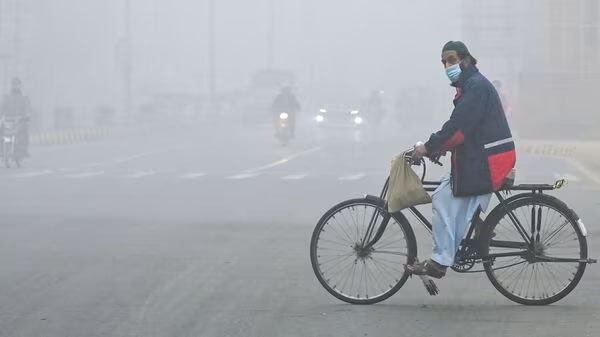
468,112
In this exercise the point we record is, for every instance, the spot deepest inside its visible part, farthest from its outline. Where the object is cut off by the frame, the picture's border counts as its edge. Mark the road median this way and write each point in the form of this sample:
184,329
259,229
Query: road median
70,136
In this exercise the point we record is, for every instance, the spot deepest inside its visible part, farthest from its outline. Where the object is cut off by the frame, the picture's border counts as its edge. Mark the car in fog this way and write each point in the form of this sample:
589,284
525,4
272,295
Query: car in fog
338,116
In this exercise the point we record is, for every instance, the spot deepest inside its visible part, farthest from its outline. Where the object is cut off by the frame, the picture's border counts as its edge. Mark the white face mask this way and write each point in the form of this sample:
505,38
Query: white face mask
453,72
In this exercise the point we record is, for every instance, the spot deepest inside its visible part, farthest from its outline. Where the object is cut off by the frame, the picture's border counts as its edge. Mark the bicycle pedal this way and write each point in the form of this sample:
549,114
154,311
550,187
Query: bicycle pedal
430,286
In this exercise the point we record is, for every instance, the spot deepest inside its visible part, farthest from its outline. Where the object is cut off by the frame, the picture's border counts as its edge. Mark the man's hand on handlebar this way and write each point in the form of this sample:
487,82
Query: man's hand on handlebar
420,151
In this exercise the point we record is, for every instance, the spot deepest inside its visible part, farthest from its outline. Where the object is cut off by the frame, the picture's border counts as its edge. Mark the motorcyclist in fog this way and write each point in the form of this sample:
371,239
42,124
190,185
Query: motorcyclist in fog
16,105
286,102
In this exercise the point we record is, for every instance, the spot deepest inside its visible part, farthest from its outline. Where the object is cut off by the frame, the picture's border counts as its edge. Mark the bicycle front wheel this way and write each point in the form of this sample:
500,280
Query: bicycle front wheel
355,274
536,250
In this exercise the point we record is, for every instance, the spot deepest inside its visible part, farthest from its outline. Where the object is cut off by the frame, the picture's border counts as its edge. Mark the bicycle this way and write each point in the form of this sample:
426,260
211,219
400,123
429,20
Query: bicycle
532,246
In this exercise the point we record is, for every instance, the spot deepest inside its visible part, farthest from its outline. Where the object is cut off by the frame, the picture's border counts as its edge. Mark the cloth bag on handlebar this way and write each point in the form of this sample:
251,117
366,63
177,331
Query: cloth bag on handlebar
405,188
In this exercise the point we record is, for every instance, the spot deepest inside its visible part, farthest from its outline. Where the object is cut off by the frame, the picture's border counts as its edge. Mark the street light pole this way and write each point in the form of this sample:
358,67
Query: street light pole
270,32
211,56
127,66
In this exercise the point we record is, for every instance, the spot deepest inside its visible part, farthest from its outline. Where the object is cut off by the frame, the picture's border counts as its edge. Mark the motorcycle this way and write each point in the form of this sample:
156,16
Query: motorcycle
283,128
11,131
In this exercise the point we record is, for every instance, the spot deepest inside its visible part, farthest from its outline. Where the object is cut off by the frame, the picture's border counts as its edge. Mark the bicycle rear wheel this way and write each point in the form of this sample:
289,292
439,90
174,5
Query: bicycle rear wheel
354,274
548,265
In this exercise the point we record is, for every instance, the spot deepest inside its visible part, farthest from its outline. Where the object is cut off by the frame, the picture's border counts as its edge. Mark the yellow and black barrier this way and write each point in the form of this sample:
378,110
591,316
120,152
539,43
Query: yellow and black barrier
72,136
581,154
551,148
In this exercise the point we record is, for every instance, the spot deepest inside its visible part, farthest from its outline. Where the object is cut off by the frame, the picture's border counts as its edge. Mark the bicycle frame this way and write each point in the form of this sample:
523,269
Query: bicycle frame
522,248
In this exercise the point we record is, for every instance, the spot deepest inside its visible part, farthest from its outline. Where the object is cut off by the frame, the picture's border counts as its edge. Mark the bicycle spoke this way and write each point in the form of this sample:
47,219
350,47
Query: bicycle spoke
340,236
374,278
389,252
340,283
338,267
355,224
334,258
555,232
385,270
342,227
345,244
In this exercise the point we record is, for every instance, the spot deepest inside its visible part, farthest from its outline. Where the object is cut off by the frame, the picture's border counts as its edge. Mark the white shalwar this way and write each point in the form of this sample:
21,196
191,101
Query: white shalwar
451,218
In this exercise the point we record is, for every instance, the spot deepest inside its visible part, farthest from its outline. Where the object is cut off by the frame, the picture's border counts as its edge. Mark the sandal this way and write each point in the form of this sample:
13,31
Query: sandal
428,267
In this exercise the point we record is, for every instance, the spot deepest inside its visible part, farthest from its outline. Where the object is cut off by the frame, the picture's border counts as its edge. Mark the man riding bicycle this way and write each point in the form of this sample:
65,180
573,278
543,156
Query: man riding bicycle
483,154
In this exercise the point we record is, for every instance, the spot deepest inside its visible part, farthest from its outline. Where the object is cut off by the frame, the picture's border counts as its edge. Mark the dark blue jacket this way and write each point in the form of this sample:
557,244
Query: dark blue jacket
477,133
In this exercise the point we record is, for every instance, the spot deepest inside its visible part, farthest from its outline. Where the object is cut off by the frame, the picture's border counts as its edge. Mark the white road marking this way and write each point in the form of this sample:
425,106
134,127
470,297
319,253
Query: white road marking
567,176
356,176
295,176
33,174
243,176
593,176
250,173
85,174
115,161
193,175
141,174
283,160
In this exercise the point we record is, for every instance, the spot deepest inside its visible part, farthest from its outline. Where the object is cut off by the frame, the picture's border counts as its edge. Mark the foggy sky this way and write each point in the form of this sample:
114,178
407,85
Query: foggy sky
70,52
70,56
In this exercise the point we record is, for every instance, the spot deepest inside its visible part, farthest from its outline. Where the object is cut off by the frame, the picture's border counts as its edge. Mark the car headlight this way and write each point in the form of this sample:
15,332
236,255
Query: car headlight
322,111
319,118
284,115
358,120
354,112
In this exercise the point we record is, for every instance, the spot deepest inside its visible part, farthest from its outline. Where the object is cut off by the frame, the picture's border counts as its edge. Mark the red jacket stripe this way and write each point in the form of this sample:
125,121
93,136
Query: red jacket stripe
500,166
457,138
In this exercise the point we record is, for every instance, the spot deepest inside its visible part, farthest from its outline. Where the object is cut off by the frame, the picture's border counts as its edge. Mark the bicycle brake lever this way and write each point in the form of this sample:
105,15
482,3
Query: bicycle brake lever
435,158
436,161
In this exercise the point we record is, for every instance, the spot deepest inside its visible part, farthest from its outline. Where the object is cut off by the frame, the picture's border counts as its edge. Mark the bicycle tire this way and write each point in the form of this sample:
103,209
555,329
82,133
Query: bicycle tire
397,218
558,207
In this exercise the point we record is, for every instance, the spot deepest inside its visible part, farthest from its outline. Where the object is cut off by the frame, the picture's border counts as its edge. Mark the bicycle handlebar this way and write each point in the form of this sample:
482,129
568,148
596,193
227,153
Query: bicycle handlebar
409,155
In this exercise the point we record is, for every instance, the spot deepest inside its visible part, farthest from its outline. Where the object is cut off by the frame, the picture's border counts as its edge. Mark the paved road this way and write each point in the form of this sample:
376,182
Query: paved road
207,235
